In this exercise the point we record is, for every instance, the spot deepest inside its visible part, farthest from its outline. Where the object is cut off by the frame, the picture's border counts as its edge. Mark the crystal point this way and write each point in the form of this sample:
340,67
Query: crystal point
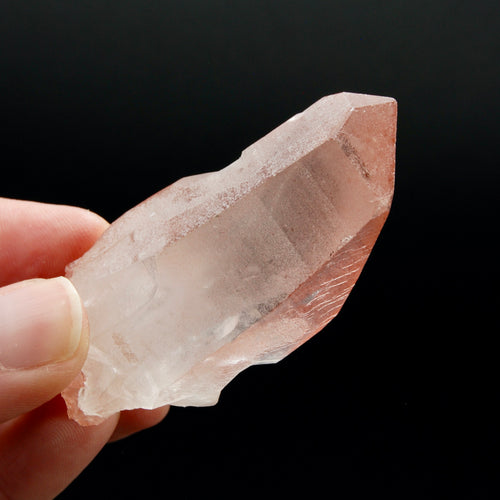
223,270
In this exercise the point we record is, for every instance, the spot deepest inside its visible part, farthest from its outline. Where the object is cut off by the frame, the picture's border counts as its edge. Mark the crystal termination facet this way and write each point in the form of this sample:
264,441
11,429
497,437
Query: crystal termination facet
223,270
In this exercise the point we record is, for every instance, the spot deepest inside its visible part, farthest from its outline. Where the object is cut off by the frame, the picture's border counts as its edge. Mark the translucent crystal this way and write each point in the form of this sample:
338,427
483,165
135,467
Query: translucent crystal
223,270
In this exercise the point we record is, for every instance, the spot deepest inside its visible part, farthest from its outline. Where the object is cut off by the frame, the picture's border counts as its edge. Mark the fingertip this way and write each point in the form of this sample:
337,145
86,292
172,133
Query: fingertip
43,342
58,234
41,322
132,421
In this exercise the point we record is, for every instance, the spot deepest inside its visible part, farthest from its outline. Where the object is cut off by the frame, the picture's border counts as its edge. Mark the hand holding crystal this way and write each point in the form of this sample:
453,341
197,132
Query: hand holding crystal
43,346
212,274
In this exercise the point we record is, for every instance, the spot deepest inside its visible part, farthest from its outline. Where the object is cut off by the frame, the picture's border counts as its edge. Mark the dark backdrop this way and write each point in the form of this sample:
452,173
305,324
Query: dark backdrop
105,102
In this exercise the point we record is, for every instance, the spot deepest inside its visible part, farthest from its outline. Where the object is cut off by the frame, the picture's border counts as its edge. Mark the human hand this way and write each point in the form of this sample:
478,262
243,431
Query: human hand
43,345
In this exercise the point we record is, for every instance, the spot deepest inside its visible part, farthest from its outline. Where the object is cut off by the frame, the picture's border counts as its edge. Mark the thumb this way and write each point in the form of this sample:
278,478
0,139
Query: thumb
43,342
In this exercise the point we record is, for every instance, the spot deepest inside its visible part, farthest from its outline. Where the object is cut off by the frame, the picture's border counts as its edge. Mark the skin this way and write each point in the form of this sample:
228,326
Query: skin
41,450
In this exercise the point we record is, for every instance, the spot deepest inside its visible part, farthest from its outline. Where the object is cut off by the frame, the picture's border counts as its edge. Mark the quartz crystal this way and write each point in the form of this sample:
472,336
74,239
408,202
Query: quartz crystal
227,269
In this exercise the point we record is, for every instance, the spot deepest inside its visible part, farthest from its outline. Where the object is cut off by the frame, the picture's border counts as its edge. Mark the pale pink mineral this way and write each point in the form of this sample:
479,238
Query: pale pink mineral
227,269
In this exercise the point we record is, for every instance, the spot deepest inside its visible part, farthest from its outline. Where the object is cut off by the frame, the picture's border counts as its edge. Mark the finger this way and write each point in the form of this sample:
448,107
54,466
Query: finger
132,421
37,240
43,451
43,342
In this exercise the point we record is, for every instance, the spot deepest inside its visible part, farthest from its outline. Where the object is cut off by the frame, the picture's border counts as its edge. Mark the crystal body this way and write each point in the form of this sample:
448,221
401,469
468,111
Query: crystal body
223,270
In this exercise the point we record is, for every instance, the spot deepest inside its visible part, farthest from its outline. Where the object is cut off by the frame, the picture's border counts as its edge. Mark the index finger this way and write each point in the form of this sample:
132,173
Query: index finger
37,240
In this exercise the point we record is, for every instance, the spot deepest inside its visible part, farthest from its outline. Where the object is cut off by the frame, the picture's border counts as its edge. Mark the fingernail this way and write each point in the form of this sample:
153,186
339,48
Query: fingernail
41,322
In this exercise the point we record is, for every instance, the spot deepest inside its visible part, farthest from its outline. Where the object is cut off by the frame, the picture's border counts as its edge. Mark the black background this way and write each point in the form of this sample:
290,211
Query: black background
102,103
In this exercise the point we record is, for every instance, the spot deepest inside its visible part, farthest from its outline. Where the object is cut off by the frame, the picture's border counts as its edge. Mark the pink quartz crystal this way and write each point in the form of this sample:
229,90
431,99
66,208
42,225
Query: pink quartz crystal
232,268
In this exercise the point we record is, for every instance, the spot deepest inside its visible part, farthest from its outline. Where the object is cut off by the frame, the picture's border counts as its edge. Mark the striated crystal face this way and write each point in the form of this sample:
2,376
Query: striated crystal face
227,269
